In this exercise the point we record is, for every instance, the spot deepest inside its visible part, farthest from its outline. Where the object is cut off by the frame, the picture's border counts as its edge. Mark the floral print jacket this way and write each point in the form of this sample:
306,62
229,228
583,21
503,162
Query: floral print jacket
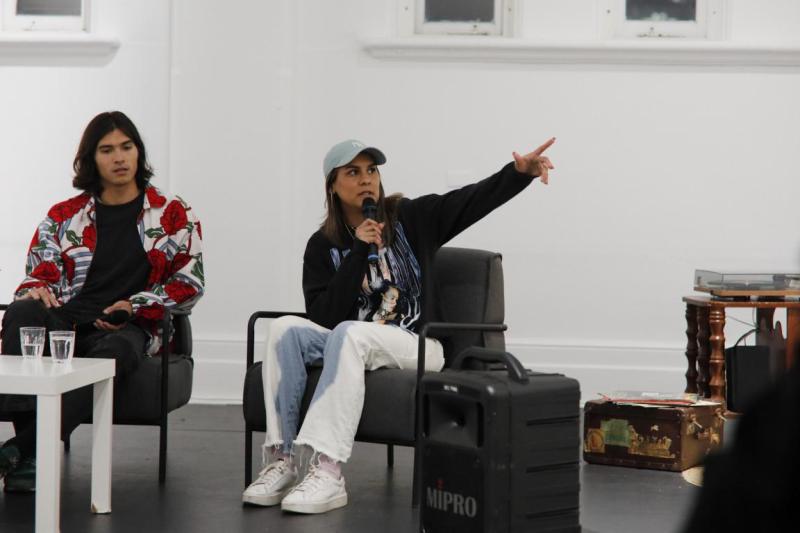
63,246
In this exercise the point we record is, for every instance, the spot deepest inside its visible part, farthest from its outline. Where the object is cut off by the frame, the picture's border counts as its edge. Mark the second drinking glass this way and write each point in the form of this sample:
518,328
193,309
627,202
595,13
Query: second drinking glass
62,344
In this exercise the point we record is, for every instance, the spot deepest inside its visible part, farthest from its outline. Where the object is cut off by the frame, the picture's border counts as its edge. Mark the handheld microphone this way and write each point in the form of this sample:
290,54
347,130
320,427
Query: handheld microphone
116,317
370,210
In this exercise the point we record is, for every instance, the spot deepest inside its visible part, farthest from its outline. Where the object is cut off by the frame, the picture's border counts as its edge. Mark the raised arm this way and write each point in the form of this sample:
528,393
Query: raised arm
449,214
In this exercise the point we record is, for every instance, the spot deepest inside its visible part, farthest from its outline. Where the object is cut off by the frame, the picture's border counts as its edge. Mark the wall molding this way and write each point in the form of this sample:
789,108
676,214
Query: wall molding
38,48
648,52
600,366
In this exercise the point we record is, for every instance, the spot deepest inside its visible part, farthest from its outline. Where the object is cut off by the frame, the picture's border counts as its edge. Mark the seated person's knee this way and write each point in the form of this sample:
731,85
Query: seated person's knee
27,309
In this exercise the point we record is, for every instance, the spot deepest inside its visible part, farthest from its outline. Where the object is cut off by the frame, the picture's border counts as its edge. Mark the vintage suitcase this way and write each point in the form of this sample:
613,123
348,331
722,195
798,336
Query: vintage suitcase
658,437
501,449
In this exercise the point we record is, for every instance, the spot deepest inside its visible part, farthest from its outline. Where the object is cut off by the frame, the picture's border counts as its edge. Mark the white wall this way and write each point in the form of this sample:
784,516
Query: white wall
660,170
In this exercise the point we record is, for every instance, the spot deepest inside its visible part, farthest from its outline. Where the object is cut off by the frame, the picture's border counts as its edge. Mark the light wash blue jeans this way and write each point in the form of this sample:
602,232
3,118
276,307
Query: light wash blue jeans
346,351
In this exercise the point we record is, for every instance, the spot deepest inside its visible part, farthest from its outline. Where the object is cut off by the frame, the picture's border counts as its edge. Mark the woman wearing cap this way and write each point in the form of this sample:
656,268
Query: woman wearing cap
351,327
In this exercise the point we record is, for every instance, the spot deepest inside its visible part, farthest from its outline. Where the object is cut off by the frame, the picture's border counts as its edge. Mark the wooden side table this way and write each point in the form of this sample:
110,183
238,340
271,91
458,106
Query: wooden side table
705,332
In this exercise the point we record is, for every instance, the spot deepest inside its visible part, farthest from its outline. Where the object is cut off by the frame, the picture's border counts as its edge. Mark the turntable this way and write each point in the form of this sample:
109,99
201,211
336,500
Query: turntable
747,284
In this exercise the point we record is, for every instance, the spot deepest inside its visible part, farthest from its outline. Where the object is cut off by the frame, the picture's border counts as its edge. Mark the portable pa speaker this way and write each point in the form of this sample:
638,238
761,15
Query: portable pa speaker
500,449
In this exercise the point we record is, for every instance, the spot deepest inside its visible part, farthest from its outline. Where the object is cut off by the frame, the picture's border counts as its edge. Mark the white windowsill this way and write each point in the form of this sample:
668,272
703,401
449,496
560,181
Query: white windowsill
617,52
20,46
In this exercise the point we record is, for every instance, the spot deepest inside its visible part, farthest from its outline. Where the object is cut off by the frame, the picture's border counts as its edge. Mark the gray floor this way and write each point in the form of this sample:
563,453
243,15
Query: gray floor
205,478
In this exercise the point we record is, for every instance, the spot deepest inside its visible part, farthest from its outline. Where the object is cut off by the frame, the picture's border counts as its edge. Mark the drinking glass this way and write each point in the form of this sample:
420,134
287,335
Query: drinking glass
32,341
62,344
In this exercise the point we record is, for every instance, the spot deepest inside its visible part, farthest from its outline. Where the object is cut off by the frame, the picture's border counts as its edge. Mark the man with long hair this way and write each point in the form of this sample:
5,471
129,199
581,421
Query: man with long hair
120,249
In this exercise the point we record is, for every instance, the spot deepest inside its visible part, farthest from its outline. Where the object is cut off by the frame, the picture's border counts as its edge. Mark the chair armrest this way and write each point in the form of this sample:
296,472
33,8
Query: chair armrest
166,324
166,351
431,327
251,328
182,338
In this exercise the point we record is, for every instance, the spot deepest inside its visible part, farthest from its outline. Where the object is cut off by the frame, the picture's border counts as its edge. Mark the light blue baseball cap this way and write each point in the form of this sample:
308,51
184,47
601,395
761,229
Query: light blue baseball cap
344,152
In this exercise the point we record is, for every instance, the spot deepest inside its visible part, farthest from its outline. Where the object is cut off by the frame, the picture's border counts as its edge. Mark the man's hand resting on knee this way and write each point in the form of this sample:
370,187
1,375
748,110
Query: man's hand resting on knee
44,295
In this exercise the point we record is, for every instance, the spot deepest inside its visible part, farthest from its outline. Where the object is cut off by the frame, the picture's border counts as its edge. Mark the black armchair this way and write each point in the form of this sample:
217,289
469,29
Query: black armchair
471,304
160,385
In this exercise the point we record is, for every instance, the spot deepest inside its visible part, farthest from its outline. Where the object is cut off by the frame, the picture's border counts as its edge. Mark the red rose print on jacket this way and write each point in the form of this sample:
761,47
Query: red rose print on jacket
64,210
69,266
179,291
155,199
90,237
180,260
199,229
174,218
31,284
153,312
47,271
158,266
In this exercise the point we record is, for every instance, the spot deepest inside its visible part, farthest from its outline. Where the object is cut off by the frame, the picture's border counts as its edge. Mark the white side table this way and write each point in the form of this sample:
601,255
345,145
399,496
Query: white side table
48,381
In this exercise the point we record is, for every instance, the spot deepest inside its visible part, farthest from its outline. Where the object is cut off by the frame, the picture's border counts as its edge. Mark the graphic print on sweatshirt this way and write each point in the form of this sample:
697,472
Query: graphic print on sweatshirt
392,289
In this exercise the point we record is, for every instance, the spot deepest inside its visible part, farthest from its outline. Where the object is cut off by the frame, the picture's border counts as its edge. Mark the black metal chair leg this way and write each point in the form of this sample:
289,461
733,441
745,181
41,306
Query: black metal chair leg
248,457
162,453
390,455
162,441
415,487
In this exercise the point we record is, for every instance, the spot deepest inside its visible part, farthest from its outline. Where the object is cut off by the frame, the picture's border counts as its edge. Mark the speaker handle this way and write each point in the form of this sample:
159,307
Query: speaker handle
515,369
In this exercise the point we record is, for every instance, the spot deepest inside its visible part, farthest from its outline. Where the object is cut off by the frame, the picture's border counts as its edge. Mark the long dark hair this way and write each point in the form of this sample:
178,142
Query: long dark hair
87,178
334,226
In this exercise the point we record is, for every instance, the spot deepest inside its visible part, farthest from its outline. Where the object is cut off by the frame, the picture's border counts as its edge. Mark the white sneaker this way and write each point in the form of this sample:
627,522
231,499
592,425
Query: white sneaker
273,483
319,492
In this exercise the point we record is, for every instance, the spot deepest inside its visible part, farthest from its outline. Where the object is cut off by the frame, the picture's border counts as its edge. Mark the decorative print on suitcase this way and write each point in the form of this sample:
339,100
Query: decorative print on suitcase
500,449
659,437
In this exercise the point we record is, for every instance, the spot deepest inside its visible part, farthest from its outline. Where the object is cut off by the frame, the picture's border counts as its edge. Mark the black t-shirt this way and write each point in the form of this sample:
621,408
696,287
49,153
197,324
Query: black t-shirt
119,266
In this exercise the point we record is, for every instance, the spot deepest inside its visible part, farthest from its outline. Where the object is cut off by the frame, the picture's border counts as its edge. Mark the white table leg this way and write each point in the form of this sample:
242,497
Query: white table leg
48,463
101,445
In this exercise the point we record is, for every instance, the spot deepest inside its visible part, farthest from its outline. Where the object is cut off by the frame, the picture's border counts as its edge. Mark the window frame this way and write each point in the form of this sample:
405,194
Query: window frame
12,22
421,27
708,24
411,14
